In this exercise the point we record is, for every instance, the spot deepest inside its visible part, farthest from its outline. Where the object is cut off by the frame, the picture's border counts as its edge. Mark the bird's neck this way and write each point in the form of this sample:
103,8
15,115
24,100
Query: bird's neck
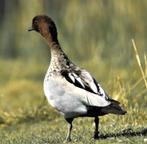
58,57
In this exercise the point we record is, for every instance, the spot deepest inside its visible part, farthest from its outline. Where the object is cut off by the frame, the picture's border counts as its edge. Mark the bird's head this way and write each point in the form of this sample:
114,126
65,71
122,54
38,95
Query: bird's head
45,26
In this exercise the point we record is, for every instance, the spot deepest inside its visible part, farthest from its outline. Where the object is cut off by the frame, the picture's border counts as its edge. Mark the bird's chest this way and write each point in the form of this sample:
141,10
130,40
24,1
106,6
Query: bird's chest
53,91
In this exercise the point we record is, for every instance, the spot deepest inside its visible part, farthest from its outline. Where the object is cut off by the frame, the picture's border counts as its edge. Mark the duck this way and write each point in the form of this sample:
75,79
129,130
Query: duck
72,90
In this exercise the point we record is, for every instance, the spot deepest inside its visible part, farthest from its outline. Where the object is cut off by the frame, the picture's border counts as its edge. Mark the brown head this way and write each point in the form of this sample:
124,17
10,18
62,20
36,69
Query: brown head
45,26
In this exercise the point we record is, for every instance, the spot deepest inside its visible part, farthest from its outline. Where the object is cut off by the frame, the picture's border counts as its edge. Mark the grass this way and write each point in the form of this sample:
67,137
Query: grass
26,117
54,131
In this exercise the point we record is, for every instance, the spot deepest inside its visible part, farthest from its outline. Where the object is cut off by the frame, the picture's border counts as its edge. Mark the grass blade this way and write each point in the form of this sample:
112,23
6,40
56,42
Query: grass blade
139,62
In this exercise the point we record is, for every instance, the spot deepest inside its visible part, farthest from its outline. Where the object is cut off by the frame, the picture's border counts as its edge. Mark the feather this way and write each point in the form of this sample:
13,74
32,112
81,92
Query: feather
89,80
80,81
71,77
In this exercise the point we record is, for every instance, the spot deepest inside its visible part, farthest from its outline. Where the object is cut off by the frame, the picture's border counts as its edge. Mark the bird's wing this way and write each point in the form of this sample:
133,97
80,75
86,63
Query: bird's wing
83,80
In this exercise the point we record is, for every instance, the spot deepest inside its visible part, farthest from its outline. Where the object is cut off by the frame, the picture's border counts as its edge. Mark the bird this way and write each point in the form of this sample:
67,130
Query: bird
72,90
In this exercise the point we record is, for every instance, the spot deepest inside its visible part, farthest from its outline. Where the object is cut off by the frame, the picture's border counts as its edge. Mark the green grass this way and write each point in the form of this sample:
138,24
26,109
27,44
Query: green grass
54,131
27,118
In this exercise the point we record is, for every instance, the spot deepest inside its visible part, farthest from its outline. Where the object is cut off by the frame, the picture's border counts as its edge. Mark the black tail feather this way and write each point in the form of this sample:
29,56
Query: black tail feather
114,108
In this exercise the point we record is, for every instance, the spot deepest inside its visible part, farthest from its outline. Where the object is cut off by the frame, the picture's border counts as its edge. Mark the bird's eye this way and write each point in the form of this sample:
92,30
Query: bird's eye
36,22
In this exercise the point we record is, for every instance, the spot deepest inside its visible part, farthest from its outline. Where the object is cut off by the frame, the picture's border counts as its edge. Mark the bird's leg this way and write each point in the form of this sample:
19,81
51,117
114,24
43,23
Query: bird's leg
96,132
68,137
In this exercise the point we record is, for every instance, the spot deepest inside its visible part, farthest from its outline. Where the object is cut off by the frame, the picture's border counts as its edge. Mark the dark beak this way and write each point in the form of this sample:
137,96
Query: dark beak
30,29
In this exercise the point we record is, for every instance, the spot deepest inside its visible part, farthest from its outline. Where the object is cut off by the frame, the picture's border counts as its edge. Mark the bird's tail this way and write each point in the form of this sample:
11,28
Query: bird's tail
114,108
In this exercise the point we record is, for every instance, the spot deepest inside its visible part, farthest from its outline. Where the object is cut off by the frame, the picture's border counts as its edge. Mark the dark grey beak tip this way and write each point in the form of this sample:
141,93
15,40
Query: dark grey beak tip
30,29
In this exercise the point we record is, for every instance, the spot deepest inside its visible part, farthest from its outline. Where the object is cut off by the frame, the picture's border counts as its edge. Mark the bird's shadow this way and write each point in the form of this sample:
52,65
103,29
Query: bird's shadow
124,133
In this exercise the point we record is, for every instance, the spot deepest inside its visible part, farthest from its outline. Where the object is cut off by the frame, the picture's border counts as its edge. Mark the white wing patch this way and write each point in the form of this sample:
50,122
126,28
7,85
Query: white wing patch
89,80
